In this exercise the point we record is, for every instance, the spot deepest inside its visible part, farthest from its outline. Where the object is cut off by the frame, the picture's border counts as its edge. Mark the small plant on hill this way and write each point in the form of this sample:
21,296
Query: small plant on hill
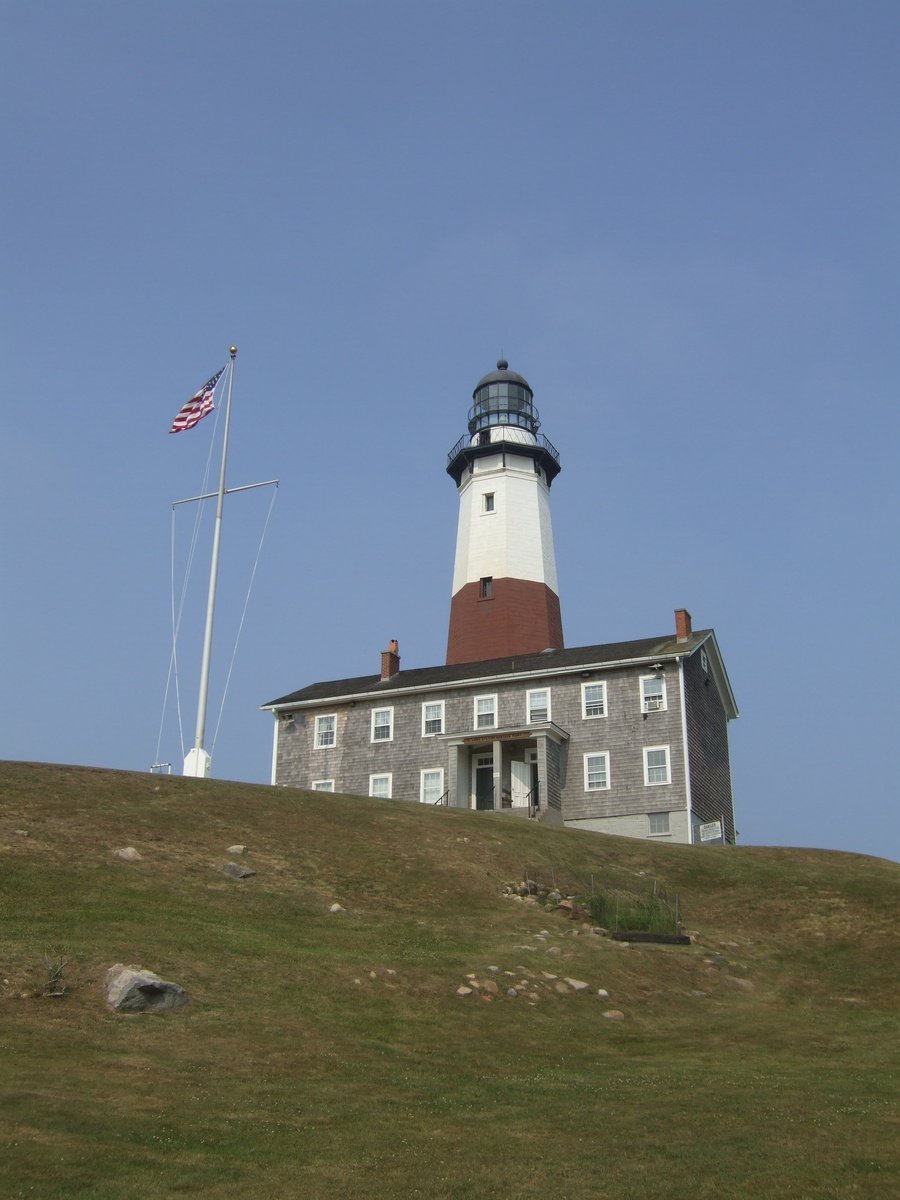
55,964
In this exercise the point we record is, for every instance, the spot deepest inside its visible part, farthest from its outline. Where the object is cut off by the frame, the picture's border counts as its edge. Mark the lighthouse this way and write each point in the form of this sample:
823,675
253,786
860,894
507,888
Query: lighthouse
505,595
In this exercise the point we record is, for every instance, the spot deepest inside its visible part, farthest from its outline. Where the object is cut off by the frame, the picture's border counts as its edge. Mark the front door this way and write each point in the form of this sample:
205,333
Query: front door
521,783
484,781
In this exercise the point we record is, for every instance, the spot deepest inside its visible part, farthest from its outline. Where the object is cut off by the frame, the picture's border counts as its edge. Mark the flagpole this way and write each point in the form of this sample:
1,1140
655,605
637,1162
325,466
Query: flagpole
197,762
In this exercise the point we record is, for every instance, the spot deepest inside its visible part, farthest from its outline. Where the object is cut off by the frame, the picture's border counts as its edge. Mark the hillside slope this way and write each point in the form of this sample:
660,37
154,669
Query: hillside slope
329,1054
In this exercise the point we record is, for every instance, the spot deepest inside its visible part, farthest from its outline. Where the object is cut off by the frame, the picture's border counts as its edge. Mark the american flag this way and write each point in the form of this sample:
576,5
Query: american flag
198,406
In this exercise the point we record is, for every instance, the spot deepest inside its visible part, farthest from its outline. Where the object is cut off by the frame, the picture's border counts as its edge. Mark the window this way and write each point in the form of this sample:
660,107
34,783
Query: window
380,785
538,706
485,712
323,785
659,823
656,764
326,730
596,771
382,725
704,661
486,591
432,718
431,788
488,502
653,693
593,700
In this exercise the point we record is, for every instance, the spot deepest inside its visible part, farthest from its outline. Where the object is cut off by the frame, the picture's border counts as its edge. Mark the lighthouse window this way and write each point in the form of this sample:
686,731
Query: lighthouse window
488,501
487,588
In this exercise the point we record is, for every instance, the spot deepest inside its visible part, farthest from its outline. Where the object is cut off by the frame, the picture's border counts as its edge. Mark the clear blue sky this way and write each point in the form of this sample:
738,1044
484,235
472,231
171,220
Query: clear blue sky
678,220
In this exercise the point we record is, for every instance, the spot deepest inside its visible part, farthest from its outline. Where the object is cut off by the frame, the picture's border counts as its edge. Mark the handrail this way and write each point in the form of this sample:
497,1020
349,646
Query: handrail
534,800
445,800
465,442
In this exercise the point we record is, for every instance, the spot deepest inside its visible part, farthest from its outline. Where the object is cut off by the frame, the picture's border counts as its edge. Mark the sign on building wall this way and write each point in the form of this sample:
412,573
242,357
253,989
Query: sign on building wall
711,831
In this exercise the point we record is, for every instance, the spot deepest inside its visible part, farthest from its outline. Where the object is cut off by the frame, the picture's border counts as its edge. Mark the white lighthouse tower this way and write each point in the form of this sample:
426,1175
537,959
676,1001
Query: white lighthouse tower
505,592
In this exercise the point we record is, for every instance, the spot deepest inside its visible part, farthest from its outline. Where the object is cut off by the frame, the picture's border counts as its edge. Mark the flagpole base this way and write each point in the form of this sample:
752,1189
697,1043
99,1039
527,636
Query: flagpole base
197,764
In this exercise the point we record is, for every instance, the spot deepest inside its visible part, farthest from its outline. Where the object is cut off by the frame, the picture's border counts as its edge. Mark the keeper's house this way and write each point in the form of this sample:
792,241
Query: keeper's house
628,738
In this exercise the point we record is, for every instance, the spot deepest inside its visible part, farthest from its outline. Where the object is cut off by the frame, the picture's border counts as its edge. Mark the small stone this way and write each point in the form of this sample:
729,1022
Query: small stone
614,1014
532,997
512,993
134,989
603,993
494,969
554,950
128,854
562,988
577,985
464,991
547,975
388,970
236,850
236,871
21,832
745,985
336,908
490,987
373,974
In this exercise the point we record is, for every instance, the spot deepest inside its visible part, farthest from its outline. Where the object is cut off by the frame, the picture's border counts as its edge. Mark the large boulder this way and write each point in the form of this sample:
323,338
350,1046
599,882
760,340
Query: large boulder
133,989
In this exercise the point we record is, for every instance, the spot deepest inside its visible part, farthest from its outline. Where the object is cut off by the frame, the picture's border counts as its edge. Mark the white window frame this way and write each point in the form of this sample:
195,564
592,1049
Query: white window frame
475,714
529,706
390,724
322,785
659,832
648,782
390,785
650,704
596,787
704,661
427,799
320,732
426,704
585,715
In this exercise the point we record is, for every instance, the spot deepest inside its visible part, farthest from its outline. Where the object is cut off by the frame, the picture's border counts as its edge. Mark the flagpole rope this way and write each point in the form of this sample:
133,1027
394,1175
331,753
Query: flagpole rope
240,628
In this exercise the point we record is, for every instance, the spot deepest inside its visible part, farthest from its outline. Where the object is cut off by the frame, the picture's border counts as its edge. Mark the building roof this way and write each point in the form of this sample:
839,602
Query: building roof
544,664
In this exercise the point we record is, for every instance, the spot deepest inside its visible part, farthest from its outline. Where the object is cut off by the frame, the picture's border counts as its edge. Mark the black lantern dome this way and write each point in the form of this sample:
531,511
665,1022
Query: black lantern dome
503,397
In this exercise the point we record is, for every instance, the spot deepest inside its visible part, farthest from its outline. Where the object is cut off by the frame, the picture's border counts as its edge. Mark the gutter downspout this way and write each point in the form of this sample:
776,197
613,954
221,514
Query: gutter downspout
275,749
684,739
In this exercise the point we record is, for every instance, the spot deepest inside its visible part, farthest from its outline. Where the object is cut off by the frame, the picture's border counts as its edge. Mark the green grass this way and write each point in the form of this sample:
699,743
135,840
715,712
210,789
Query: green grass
326,1055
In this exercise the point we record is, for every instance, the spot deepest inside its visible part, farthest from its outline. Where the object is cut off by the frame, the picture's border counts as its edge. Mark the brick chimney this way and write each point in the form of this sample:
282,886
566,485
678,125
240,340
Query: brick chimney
390,660
682,624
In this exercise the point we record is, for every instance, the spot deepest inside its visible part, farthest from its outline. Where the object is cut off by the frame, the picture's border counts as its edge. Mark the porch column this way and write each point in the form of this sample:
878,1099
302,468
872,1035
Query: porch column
498,775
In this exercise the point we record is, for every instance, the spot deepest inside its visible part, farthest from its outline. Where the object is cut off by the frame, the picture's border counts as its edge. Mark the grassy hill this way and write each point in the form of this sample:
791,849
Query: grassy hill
328,1054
